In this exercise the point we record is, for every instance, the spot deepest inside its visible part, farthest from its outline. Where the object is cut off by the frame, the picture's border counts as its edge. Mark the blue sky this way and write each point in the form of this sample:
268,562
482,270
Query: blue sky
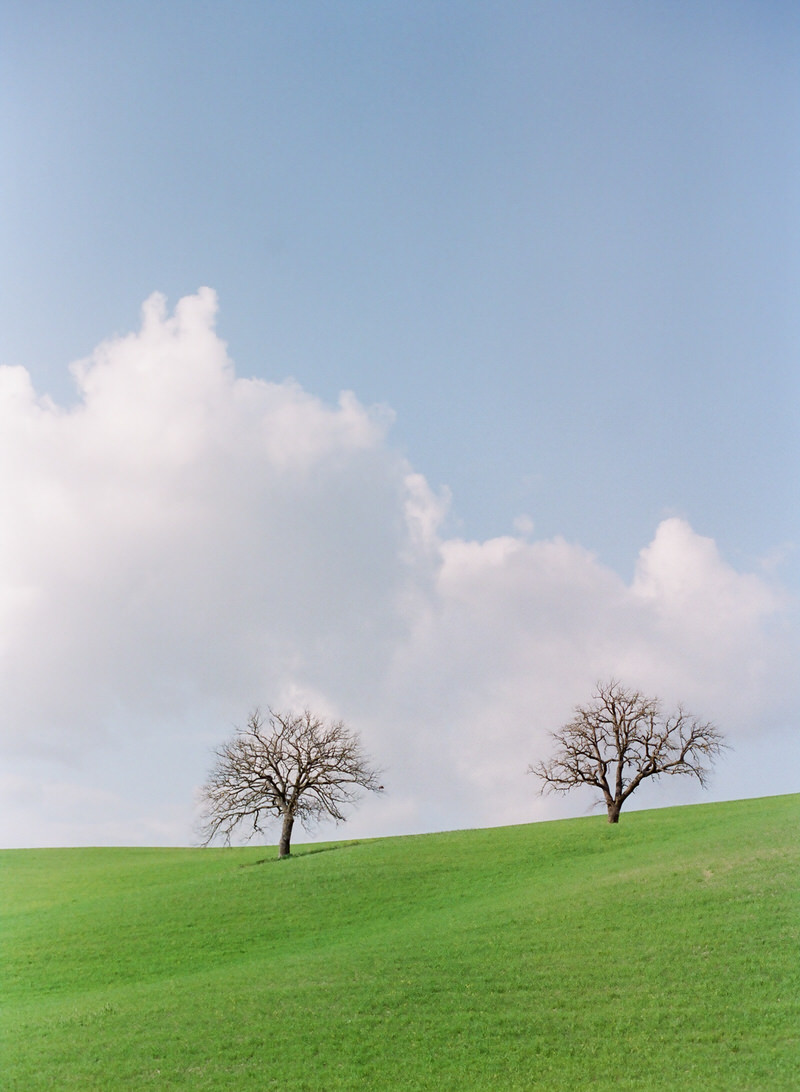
560,241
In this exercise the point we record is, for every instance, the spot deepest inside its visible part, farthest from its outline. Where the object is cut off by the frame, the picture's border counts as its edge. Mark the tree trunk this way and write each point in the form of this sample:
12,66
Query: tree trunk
284,846
613,812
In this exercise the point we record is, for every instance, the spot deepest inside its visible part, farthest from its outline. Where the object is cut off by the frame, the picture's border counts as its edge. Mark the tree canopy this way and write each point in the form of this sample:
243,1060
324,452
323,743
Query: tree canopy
288,766
621,738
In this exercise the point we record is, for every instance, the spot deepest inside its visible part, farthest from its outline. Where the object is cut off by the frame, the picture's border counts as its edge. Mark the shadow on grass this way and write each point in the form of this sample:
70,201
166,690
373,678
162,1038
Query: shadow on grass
303,853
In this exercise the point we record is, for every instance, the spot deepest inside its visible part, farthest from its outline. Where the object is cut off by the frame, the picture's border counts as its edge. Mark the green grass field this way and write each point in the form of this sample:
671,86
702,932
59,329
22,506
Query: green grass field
659,954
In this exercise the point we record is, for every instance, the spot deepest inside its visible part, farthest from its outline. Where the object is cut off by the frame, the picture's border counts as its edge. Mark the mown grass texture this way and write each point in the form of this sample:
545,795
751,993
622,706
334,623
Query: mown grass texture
661,953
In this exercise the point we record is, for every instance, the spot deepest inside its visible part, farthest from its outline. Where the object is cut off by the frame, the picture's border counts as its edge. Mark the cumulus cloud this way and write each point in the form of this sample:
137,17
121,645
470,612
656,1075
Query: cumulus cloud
183,543
182,534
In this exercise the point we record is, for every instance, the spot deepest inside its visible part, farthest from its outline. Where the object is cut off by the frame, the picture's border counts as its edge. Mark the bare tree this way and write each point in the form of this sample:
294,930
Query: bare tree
620,739
294,766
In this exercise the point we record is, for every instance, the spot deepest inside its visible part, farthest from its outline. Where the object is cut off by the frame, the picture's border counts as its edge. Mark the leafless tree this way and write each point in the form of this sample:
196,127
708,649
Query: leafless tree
293,766
620,739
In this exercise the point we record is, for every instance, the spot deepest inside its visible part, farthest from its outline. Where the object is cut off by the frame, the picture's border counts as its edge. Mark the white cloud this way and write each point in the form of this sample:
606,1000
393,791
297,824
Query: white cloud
516,633
182,535
729,626
182,544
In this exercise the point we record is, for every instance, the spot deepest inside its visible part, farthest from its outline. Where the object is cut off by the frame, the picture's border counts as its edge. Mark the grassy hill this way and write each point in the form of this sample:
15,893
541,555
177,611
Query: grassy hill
659,954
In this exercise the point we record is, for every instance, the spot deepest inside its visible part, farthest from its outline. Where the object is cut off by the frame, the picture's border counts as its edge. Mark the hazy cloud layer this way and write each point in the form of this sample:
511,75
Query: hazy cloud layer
181,544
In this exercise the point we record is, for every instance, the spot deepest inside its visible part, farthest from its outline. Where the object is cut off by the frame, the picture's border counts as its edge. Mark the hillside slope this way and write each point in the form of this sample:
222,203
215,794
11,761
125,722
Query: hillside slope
659,954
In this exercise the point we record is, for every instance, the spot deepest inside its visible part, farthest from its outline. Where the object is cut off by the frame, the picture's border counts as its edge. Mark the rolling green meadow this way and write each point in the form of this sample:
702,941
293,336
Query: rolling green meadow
662,953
